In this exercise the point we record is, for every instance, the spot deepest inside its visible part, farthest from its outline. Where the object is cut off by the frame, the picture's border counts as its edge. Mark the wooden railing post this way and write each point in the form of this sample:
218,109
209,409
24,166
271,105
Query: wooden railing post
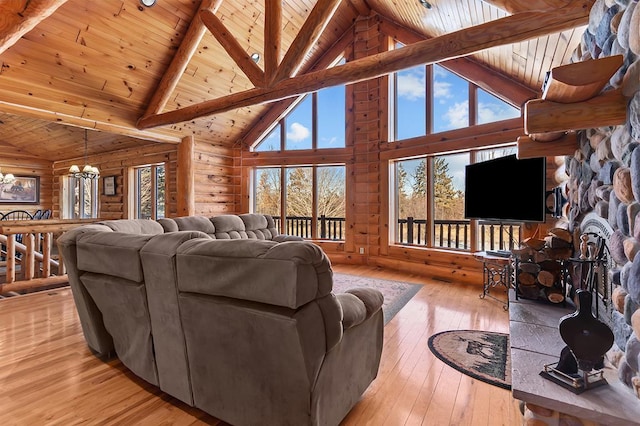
28,260
410,230
11,259
46,254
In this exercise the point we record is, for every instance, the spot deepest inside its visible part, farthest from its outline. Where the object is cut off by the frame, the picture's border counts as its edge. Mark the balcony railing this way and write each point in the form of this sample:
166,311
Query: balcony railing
329,228
455,234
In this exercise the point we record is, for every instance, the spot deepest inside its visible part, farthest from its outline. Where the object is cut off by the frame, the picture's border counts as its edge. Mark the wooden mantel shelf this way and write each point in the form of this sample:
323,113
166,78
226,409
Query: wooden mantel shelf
572,100
580,81
535,341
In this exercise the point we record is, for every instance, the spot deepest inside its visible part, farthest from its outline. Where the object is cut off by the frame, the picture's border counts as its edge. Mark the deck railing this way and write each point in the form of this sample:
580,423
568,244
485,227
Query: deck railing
457,234
328,228
454,234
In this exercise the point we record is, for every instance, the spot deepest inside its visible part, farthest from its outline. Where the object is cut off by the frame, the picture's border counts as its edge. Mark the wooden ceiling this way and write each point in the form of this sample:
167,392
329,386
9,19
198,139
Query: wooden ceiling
103,65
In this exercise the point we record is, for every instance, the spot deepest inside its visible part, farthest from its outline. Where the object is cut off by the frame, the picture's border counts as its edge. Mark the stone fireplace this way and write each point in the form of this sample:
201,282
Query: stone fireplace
603,181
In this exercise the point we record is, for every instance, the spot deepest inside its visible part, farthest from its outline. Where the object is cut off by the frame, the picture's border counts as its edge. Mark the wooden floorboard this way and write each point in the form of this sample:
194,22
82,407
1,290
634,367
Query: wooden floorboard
48,376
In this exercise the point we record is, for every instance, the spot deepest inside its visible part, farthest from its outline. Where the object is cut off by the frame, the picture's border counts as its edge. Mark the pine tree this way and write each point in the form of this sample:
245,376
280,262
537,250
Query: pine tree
444,193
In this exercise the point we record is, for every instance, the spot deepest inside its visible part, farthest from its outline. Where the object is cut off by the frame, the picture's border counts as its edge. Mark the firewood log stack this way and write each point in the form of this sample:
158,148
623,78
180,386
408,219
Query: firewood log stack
539,268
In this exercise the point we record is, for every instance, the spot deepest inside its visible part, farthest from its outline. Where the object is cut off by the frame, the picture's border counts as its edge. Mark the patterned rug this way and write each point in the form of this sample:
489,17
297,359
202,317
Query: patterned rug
396,293
482,355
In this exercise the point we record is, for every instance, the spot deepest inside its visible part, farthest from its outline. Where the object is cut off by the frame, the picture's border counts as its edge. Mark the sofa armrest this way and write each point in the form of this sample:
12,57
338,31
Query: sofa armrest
359,304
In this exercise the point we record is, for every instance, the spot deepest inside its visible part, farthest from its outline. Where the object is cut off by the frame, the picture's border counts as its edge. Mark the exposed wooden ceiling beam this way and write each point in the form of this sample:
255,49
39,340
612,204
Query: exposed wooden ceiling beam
159,135
272,37
517,6
311,30
180,60
507,30
233,48
361,6
16,23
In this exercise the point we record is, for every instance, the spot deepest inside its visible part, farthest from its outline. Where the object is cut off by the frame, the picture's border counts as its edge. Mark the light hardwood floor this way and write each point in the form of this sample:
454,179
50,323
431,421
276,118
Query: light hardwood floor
49,376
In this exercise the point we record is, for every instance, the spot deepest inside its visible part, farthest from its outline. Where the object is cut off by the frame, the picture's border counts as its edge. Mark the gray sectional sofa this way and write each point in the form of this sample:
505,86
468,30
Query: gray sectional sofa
227,316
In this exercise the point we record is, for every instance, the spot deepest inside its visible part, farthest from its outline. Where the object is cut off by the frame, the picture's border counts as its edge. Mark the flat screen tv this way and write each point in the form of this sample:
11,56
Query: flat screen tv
506,189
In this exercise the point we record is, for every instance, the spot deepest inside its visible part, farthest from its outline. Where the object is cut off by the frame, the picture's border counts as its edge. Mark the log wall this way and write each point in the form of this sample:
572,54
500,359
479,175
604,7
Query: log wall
118,164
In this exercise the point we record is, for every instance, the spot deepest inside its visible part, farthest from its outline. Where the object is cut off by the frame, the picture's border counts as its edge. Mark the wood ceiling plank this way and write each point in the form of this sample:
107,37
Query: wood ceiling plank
517,6
506,30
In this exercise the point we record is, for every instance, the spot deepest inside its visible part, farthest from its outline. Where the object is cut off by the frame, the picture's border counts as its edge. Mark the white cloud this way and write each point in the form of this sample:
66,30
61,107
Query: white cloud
488,113
297,132
458,115
441,90
411,85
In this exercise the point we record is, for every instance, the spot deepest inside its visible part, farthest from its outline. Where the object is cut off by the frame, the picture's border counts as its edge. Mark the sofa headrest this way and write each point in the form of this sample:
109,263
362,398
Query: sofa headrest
284,274
192,223
169,225
134,226
112,253
229,226
256,226
70,237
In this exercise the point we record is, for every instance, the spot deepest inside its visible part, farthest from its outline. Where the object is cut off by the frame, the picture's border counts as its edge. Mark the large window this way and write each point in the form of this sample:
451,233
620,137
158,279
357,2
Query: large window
428,208
317,121
80,198
313,199
149,191
431,99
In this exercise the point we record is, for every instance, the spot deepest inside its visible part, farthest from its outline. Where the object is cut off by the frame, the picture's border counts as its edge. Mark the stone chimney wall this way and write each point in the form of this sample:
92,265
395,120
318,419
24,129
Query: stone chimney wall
604,174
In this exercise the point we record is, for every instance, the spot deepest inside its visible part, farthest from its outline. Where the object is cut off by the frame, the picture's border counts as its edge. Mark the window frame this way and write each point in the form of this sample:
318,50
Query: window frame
136,195
69,199
282,220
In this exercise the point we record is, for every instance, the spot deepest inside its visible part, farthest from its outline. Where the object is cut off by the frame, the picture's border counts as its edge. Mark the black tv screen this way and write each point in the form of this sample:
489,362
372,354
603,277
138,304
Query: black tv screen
506,189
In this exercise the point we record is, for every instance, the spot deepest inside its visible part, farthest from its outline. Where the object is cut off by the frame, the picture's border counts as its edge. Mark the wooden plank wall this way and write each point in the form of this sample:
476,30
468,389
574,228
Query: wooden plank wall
14,160
118,163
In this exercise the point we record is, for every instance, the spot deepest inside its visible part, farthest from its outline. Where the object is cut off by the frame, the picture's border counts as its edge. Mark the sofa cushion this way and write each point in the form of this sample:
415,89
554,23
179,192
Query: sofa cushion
112,253
256,226
195,223
284,274
229,227
168,224
134,226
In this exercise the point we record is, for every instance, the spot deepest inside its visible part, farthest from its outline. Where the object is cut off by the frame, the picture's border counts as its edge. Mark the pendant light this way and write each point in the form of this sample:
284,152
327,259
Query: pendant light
88,171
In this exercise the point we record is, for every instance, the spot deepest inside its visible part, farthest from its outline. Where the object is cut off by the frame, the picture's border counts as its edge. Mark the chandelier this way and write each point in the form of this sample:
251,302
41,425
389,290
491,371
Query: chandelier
88,171
8,178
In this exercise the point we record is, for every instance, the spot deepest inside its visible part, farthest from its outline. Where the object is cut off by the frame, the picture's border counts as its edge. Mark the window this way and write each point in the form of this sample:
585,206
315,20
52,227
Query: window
450,228
80,198
450,100
431,99
149,194
313,199
428,203
317,121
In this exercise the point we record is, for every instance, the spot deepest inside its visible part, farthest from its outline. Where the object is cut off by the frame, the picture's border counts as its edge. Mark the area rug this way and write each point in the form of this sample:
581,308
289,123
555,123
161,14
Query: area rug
396,293
482,355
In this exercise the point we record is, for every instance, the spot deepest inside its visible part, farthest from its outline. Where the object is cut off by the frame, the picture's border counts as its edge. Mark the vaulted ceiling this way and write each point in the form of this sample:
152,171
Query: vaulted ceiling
143,75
